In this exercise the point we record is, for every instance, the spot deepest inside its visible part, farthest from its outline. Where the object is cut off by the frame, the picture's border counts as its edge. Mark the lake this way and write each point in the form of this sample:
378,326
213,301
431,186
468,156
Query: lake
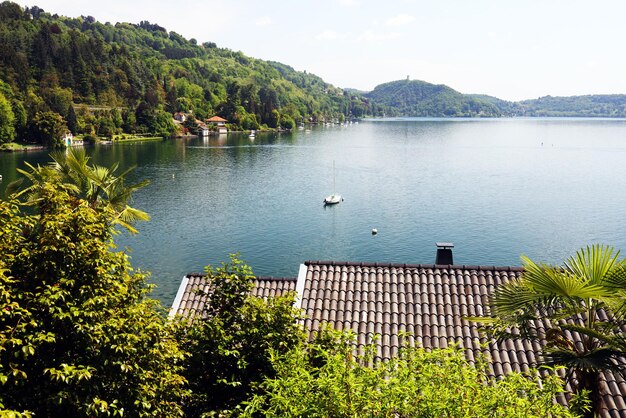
496,188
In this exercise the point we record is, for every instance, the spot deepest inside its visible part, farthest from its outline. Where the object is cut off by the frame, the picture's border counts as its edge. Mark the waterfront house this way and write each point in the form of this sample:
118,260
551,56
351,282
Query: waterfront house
219,123
69,140
203,130
429,302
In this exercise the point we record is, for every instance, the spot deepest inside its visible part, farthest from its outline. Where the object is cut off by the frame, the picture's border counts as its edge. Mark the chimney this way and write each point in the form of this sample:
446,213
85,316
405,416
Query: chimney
444,253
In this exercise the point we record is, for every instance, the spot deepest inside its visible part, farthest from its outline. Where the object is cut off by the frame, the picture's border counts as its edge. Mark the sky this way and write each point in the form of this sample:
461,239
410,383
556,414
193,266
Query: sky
511,49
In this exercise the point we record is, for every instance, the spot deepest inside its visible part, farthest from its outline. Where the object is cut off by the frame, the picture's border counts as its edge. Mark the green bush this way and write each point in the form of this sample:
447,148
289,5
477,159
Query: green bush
329,380
78,335
90,139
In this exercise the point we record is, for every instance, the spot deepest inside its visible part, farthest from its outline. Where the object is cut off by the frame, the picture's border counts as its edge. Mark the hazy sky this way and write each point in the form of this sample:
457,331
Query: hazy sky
518,49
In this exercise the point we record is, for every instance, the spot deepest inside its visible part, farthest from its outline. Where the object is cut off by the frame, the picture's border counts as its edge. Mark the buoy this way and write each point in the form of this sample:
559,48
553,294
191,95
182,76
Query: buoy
374,231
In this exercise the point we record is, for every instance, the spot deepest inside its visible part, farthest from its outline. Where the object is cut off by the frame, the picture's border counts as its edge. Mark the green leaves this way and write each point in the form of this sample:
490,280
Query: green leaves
322,380
580,308
78,335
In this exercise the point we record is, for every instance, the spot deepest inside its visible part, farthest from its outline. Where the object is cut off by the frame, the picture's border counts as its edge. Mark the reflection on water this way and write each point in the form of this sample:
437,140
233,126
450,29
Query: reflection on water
497,188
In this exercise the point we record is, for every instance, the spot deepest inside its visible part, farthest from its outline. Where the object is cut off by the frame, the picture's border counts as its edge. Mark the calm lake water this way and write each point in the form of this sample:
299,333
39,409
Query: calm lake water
496,188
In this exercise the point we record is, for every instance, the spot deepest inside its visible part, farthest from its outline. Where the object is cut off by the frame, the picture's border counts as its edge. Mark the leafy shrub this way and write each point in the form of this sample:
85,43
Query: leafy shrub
329,380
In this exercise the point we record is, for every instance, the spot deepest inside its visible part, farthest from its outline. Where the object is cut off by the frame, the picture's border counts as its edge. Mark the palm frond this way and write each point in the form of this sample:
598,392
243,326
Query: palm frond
125,172
589,332
14,186
616,278
593,360
126,225
132,215
593,263
128,216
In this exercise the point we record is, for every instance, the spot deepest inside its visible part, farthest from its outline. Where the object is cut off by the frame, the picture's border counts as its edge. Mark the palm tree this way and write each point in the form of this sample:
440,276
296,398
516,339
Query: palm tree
98,185
584,305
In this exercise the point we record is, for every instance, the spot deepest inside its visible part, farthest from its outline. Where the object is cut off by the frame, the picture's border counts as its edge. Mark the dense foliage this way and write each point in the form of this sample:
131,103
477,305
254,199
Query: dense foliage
231,346
613,106
583,308
330,381
104,79
78,337
418,98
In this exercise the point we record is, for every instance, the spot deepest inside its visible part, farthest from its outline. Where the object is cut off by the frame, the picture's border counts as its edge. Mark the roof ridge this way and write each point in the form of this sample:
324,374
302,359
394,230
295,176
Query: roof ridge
273,278
267,278
417,266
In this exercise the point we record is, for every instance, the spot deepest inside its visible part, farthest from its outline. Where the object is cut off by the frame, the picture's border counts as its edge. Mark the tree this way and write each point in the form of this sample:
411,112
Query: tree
129,123
106,127
582,301
21,119
72,120
59,99
48,128
7,120
286,122
329,380
231,346
78,335
98,186
154,120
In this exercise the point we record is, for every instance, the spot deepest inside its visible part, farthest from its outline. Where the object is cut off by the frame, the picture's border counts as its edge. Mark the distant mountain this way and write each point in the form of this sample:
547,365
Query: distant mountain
506,108
608,105
419,98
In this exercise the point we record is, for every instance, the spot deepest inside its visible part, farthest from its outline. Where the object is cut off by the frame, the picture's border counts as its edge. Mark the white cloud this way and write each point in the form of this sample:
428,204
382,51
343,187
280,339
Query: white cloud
264,21
400,20
371,36
348,3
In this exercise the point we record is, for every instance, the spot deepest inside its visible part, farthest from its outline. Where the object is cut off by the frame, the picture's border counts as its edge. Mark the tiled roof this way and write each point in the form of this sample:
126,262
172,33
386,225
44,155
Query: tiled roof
427,302
194,287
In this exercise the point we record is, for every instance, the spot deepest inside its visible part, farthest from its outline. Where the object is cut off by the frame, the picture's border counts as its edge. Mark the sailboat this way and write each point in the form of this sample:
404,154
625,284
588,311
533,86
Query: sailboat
334,198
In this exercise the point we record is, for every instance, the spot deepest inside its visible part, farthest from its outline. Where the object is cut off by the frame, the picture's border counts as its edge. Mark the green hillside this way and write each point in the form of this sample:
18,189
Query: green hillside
418,98
105,79
613,105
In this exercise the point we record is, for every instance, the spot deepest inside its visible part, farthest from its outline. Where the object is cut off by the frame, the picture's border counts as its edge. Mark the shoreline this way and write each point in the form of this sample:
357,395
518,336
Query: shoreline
17,147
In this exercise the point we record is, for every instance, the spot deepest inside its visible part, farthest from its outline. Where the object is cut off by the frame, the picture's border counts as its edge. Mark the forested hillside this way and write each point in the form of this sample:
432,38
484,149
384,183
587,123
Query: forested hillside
104,79
418,98
612,106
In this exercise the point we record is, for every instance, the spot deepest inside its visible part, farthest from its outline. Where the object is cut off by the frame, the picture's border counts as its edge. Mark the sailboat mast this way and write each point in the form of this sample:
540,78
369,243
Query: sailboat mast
333,176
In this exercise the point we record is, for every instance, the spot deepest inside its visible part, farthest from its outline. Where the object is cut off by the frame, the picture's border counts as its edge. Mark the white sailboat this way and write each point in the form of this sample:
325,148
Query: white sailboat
334,198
